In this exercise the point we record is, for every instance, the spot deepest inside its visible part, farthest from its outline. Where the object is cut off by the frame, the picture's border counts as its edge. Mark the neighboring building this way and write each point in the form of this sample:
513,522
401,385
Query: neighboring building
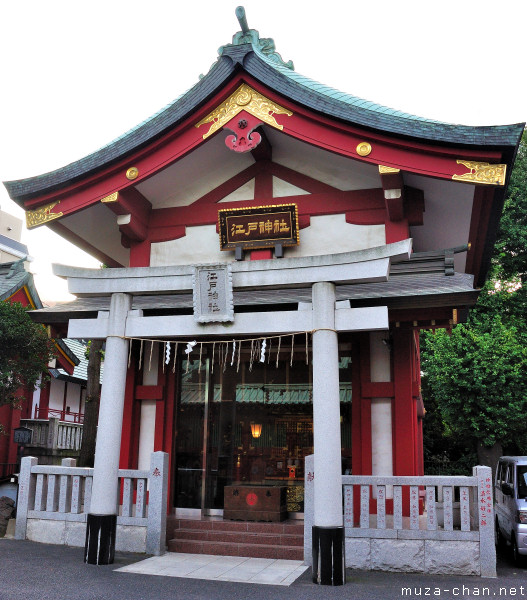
10,234
17,285
395,223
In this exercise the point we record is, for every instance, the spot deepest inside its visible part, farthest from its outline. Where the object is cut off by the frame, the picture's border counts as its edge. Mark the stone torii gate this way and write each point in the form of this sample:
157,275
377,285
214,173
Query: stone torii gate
325,318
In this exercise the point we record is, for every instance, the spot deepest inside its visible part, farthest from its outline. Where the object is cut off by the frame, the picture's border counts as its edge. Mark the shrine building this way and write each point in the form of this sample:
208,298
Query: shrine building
274,246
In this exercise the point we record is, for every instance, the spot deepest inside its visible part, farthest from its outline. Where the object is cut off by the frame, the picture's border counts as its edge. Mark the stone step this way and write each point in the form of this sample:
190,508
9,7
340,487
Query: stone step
218,524
240,537
236,549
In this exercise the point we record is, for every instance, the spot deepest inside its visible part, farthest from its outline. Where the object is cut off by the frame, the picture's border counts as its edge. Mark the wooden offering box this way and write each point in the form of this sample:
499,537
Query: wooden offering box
255,503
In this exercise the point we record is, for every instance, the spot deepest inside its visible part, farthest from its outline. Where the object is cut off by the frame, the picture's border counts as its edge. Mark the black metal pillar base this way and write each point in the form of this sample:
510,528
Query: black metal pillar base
328,556
99,548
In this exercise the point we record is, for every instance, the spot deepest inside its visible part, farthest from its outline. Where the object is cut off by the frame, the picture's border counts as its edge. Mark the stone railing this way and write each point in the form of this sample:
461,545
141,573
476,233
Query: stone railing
414,524
53,437
53,503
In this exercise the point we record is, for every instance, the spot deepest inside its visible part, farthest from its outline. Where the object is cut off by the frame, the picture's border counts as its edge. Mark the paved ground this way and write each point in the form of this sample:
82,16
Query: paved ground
238,569
30,571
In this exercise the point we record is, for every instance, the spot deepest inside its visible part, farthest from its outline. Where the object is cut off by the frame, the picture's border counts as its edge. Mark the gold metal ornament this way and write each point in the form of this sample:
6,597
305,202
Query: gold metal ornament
111,198
385,170
482,172
244,98
363,149
132,173
42,215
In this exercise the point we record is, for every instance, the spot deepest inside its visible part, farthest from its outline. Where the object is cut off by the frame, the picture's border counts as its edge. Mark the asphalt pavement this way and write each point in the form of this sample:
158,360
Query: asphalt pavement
31,571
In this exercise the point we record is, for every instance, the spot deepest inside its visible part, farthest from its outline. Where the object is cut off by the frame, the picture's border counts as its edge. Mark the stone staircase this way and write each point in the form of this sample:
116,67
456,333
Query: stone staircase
213,535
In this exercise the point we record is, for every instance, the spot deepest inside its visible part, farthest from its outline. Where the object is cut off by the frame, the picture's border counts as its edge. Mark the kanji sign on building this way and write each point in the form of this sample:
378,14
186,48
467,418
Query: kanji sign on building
258,227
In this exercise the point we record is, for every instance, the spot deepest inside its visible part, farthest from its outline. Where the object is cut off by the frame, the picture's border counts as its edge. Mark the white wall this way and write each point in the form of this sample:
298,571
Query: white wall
327,234
148,408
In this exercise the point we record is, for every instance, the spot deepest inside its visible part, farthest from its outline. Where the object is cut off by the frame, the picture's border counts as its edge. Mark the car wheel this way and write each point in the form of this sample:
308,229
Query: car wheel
518,559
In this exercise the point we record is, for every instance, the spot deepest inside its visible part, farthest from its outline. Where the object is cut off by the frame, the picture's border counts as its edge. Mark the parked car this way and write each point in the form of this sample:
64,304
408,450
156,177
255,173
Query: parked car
510,499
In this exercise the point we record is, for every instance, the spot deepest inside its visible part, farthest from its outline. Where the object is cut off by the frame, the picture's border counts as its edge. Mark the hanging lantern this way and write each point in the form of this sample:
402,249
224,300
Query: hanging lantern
256,430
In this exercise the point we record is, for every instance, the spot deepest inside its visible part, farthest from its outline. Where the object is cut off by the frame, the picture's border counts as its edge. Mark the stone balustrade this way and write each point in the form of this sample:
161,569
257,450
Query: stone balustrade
53,503
430,524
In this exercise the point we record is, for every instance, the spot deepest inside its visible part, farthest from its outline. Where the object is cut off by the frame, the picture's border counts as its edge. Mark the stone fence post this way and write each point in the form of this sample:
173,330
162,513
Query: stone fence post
157,504
53,433
485,511
26,491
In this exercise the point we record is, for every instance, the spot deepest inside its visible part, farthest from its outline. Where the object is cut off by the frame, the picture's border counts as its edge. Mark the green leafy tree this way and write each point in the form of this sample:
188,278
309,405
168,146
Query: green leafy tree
478,379
25,351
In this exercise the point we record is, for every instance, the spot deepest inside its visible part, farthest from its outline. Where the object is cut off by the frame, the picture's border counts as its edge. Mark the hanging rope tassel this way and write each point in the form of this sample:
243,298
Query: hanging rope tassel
269,353
292,349
175,356
278,350
141,355
200,353
239,353
188,350
225,356
262,352
307,350
151,350
164,353
130,353
233,351
251,357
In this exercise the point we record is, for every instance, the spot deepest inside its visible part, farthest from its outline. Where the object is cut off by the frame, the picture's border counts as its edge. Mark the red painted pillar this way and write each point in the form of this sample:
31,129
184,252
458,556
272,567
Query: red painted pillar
360,408
360,415
43,403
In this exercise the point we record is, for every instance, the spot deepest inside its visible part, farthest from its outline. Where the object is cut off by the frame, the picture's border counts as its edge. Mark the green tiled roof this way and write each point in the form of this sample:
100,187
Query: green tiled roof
258,57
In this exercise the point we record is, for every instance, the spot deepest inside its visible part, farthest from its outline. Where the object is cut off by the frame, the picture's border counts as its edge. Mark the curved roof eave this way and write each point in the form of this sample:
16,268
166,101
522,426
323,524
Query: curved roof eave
286,82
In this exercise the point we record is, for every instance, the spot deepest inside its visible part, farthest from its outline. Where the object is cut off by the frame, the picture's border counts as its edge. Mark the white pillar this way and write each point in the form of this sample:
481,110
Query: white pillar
326,409
381,408
107,451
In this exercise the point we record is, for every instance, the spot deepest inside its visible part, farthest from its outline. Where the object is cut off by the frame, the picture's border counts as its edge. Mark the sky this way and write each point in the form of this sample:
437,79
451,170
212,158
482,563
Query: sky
75,75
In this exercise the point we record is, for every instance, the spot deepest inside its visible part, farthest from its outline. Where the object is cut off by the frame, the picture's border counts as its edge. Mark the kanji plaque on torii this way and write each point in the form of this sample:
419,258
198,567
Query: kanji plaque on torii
213,299
258,227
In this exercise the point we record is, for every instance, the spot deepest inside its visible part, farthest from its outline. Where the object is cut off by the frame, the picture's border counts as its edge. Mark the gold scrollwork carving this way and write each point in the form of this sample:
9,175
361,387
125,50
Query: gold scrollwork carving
384,170
244,98
111,198
482,172
41,215
363,149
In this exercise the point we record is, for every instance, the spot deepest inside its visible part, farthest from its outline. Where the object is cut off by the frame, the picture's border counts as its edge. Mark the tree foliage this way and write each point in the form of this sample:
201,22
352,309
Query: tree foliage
25,352
478,378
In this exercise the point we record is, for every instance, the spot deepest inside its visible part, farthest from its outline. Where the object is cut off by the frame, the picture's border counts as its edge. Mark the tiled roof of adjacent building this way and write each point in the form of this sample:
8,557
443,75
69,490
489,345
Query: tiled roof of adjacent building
80,373
257,56
14,277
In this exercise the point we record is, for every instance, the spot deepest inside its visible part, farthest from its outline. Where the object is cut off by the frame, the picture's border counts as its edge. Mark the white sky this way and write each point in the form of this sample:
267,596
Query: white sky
76,75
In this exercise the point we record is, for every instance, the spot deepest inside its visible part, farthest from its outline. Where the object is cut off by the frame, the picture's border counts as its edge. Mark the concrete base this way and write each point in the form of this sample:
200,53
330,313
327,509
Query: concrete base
128,538
413,556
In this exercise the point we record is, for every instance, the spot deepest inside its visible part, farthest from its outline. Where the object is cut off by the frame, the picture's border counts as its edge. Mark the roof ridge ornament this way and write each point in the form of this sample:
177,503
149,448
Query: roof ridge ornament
251,36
